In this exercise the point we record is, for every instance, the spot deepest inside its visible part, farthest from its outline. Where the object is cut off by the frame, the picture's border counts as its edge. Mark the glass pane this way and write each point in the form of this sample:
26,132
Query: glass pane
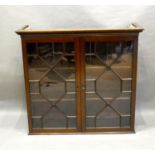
107,118
94,104
109,78
52,84
54,119
108,85
125,121
34,87
122,105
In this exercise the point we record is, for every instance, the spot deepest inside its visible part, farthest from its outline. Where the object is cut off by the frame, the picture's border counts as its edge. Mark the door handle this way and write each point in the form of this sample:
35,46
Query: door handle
83,87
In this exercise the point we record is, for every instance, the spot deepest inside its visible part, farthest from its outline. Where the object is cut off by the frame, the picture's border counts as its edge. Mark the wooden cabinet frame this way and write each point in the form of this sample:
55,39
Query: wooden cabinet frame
79,38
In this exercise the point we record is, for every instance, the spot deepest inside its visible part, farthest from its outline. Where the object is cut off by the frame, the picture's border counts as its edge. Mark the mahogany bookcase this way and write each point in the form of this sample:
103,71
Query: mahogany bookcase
80,80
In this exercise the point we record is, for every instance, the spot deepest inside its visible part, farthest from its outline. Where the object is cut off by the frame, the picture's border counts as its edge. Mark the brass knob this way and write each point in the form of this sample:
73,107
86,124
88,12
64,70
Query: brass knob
83,87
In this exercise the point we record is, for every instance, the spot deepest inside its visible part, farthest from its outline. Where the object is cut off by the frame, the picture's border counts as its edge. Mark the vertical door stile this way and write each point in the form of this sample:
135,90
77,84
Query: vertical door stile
83,84
78,84
25,67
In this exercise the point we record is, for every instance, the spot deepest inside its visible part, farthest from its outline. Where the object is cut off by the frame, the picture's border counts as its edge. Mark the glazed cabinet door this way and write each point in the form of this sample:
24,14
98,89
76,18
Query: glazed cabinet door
109,83
51,85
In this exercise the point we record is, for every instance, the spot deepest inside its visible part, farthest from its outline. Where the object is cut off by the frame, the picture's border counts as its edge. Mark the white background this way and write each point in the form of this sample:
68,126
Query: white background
13,118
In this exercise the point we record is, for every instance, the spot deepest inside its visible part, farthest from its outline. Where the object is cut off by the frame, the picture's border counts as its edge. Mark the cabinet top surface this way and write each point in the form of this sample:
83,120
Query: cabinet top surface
133,28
